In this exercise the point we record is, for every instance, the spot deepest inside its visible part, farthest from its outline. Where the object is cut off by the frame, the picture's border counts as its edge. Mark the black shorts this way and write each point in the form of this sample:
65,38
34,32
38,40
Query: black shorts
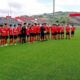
19,35
53,34
0,37
15,37
4,37
42,35
48,33
35,34
72,32
23,36
58,33
32,34
11,36
67,33
62,33
28,36
45,34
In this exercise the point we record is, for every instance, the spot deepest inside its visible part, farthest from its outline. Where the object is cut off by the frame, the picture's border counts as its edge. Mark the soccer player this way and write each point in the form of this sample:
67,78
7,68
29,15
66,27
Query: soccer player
15,34
42,29
54,31
3,35
6,29
73,30
19,32
45,31
32,33
38,32
59,31
28,32
11,34
0,35
23,32
62,32
48,32
67,31
35,31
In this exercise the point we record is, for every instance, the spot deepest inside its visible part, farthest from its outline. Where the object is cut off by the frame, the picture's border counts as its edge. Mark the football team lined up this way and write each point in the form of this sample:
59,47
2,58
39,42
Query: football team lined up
11,35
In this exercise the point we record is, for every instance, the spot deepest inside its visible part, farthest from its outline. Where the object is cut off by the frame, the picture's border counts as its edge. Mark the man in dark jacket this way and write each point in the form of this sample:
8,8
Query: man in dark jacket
23,32
42,32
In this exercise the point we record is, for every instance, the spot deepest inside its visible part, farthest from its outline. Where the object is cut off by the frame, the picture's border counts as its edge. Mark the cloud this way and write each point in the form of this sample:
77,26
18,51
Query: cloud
32,7
67,5
2,11
15,5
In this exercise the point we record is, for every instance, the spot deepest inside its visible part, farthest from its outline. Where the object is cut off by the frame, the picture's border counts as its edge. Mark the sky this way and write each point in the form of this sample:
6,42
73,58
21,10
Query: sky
35,7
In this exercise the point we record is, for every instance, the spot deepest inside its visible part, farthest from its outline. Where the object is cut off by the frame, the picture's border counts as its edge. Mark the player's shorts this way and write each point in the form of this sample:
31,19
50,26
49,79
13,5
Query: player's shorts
15,37
28,36
72,32
23,36
11,36
3,37
6,37
19,35
53,34
0,37
62,33
42,35
48,33
35,34
32,34
45,34
38,34
67,33
58,33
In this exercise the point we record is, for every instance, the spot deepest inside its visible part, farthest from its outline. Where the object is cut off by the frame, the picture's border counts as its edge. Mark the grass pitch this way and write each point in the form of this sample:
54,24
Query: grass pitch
50,60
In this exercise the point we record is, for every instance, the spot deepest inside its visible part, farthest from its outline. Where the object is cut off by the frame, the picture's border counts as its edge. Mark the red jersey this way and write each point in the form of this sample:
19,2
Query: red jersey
6,31
32,30
73,29
67,28
19,30
35,29
10,31
53,29
38,29
27,31
45,27
48,29
3,32
58,29
0,31
15,31
62,29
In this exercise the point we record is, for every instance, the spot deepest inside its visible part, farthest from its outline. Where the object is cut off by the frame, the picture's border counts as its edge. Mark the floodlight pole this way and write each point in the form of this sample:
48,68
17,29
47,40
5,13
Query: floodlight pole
10,11
53,7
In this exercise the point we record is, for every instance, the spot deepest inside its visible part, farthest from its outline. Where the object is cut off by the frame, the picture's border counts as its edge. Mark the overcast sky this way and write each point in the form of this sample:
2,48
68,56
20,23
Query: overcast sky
32,7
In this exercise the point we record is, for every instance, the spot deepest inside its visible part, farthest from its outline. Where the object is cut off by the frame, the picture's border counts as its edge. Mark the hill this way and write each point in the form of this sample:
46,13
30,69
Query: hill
59,17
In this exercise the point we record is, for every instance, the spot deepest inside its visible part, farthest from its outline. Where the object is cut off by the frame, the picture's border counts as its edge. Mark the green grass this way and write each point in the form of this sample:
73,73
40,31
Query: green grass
50,60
